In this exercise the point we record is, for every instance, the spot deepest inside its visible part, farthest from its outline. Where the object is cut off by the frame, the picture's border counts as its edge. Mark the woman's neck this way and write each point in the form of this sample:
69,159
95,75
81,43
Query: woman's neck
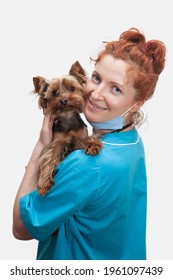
101,132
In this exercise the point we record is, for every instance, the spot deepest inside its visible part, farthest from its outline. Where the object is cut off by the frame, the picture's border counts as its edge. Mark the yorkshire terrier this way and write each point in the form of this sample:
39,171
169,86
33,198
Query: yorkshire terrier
63,98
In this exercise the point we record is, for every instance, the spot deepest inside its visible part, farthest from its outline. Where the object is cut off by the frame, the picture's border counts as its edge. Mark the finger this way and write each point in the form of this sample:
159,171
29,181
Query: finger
46,120
45,112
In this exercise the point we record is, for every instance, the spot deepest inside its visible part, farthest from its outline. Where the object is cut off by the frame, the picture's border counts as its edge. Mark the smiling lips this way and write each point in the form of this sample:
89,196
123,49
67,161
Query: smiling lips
94,106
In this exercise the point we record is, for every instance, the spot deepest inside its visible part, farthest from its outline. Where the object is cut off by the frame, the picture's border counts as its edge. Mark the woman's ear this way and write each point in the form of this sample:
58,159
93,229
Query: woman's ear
138,105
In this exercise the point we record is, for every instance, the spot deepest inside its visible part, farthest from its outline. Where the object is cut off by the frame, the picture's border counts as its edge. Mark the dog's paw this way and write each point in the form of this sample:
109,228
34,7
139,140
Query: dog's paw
92,145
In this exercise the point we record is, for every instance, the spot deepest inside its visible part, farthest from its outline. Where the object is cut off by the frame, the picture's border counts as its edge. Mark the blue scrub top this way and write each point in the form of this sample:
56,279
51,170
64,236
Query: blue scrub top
96,209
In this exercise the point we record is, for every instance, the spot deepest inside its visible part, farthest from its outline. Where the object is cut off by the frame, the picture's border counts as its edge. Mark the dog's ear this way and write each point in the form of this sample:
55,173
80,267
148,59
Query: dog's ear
40,84
78,72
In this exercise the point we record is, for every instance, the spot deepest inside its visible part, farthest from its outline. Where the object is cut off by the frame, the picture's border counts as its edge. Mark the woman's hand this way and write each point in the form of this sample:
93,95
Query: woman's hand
46,133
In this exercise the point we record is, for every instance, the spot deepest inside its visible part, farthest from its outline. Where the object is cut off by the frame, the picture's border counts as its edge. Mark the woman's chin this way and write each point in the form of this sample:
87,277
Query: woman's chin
91,116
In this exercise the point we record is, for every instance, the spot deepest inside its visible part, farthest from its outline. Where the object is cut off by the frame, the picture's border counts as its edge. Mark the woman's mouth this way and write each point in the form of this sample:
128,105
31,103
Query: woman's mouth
95,107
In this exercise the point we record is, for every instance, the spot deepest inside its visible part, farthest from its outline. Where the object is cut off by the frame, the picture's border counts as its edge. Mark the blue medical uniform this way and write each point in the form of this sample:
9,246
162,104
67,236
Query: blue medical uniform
96,209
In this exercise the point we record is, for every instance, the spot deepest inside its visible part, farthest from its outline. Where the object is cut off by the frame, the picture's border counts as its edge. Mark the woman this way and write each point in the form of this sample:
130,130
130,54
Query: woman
97,207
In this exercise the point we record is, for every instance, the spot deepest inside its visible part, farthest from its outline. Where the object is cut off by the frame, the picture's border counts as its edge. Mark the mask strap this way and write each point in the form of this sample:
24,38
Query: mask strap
124,127
126,112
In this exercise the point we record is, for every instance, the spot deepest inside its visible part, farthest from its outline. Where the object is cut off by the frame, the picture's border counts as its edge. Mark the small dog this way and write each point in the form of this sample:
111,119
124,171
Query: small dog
63,98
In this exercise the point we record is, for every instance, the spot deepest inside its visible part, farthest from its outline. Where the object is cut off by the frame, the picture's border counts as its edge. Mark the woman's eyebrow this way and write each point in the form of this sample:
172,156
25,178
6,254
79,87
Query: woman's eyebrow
116,83
95,72
112,83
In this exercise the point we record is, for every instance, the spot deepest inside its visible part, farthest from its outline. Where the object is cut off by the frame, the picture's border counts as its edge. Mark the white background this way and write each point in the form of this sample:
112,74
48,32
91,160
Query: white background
44,37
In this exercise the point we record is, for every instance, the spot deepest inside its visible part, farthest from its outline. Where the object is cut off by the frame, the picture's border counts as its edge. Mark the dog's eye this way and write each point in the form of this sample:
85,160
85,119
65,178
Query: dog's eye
72,89
55,93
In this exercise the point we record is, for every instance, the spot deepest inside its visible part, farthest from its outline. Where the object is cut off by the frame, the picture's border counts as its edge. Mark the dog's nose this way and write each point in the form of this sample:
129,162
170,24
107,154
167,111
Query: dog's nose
64,101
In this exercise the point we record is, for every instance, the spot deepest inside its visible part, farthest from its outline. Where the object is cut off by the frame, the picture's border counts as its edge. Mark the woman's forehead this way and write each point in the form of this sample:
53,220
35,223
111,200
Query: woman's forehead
113,70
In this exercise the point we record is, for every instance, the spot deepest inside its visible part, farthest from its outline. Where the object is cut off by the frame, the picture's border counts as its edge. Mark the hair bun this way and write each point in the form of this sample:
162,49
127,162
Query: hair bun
154,49
157,51
133,35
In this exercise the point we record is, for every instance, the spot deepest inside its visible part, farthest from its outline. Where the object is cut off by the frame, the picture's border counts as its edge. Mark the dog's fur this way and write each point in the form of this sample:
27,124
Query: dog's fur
63,98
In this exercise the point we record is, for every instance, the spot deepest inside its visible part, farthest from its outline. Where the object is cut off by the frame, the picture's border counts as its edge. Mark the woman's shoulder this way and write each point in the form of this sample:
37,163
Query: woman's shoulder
113,143
78,159
127,138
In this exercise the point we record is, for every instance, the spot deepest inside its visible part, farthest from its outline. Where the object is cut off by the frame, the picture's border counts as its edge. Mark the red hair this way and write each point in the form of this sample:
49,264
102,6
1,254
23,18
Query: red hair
146,60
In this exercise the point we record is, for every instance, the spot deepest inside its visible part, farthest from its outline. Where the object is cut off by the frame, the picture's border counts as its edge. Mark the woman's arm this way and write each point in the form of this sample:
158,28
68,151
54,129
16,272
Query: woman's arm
30,178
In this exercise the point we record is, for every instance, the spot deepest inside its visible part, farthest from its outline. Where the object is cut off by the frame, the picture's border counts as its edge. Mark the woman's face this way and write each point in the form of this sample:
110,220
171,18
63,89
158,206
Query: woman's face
107,93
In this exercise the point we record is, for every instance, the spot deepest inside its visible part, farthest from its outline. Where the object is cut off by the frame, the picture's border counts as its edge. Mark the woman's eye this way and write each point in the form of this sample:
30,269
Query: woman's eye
116,89
95,78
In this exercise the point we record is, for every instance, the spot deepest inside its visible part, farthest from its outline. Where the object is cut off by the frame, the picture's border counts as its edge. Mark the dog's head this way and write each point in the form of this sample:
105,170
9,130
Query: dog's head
64,93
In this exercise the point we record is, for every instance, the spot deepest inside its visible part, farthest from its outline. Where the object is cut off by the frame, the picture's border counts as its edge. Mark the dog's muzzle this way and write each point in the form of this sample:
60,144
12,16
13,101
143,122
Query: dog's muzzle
64,102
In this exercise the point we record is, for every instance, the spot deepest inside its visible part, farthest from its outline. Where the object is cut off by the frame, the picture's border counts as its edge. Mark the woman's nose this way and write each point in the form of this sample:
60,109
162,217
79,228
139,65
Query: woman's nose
98,93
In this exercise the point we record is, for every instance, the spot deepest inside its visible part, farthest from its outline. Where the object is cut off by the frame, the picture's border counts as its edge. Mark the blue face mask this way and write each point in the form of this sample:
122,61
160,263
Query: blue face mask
116,123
